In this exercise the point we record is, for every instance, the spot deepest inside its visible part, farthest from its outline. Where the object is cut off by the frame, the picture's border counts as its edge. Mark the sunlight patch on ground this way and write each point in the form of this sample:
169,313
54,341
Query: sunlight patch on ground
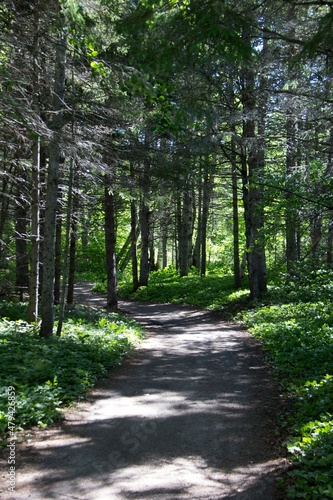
149,406
186,478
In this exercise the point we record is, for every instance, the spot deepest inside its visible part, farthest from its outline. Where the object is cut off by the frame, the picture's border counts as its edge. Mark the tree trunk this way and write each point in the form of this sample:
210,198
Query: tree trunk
5,197
291,218
329,171
206,195
178,231
144,257
164,221
198,240
164,237
47,298
152,263
235,218
252,170
145,216
134,237
110,245
22,268
291,211
72,255
329,252
42,197
58,253
62,298
35,188
73,230
35,235
316,235
122,255
185,234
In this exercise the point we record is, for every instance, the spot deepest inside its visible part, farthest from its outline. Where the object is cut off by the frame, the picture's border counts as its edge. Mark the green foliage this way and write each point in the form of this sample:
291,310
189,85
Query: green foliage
91,258
50,373
297,332
320,41
177,34
212,291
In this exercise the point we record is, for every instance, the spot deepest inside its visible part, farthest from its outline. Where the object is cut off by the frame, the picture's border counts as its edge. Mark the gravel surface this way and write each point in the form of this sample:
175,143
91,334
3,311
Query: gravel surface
191,414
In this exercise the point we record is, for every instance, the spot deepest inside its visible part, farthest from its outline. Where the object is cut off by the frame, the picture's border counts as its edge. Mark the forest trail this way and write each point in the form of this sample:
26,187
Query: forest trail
191,414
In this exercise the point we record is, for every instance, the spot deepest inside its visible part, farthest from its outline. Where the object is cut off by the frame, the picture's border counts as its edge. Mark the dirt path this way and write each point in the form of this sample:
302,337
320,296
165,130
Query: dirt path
191,415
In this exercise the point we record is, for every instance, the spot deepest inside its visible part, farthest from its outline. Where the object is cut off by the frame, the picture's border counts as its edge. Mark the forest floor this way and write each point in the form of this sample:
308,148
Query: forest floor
191,414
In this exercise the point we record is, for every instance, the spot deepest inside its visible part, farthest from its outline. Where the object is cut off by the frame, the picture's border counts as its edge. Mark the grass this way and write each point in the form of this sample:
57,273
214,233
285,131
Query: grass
45,375
294,320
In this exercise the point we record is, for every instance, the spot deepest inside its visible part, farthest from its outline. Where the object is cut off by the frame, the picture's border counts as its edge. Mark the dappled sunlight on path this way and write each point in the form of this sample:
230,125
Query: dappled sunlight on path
190,415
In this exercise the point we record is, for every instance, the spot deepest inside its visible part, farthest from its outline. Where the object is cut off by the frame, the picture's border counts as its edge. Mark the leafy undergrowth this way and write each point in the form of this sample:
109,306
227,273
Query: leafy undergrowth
213,291
297,332
47,374
294,320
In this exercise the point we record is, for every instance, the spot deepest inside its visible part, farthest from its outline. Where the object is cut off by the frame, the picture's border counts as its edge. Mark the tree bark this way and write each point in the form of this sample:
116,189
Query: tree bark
252,171
35,235
206,195
47,297
144,257
7,192
198,240
22,268
178,231
291,217
134,237
62,298
122,254
235,218
110,245
72,254
329,170
35,187
186,232
58,261
164,236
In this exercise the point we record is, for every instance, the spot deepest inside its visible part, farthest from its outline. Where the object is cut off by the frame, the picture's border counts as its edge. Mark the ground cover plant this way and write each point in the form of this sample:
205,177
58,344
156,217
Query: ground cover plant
214,291
48,374
294,320
297,331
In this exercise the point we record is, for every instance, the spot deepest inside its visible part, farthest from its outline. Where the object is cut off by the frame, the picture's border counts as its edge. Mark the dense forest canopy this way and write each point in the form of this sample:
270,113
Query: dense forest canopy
138,135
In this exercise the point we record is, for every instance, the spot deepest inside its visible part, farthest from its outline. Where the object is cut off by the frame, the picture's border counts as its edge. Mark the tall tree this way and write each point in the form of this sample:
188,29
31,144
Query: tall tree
110,244
252,175
47,295
145,217
35,176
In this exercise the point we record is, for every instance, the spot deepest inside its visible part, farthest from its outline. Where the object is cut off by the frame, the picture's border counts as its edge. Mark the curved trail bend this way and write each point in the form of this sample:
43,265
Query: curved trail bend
190,415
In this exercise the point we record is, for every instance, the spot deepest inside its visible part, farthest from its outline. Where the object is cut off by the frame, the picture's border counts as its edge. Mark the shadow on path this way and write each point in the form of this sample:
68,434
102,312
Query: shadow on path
190,415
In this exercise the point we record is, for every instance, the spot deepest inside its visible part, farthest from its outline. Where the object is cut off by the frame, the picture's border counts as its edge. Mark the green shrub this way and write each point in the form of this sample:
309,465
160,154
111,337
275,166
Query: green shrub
50,373
297,332
212,291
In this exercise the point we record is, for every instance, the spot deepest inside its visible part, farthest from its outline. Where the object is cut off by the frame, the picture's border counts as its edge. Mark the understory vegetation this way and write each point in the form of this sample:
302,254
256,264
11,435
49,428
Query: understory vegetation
48,374
294,320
